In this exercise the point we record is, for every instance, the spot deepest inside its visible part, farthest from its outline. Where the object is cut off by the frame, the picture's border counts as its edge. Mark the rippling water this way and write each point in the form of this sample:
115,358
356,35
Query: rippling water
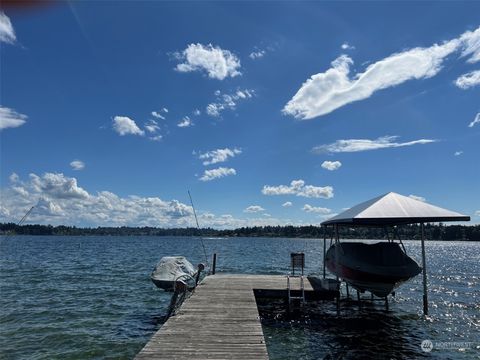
91,298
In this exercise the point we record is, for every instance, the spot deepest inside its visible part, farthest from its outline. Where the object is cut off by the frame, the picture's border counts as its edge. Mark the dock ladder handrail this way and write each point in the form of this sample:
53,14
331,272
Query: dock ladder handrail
297,261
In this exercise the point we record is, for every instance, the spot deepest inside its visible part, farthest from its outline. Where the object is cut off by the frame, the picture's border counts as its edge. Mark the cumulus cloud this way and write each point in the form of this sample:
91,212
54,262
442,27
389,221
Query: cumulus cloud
318,210
458,153
108,209
196,112
59,200
298,188
227,101
14,177
77,165
253,209
216,62
185,122
475,121
468,80
7,33
477,213
331,165
126,126
57,186
220,172
355,145
416,197
287,204
336,87
9,118
219,155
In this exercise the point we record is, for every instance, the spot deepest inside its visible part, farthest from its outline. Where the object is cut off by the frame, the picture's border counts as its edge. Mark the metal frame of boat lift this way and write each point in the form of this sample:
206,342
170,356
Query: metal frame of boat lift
336,236
391,210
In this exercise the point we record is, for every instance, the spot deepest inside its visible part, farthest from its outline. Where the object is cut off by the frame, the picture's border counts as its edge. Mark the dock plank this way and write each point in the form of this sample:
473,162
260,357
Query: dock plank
219,321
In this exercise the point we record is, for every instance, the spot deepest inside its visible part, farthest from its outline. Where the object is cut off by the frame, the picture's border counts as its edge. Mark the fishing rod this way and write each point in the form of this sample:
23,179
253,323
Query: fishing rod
198,227
25,216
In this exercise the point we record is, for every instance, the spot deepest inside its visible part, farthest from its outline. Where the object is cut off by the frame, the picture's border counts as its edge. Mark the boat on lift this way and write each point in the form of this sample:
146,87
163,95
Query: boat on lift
378,268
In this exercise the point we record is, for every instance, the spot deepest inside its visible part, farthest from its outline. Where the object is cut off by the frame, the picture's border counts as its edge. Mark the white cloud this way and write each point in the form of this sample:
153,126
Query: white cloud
477,213
57,186
59,200
253,209
7,33
157,115
108,209
287,204
77,165
419,198
197,112
227,101
257,54
9,118
331,165
468,80
152,126
458,153
220,172
347,46
156,138
354,145
14,177
219,155
216,62
298,188
475,121
185,122
125,126
470,43
334,88
317,210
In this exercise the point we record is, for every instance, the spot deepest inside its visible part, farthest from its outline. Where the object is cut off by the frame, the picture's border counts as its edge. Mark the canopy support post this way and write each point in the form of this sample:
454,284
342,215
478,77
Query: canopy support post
324,247
424,267
336,250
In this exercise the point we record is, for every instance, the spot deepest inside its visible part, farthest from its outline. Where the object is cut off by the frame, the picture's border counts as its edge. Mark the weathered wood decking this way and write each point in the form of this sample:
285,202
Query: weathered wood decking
219,321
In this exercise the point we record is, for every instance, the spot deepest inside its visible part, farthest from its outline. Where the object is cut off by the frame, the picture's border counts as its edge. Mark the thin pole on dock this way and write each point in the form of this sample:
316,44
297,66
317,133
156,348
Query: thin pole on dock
424,266
214,265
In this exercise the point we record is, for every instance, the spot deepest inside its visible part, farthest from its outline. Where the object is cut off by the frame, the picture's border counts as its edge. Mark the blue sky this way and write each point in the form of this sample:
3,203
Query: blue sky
268,112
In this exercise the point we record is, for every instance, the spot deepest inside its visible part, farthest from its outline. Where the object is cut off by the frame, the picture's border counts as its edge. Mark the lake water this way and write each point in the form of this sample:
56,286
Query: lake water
91,298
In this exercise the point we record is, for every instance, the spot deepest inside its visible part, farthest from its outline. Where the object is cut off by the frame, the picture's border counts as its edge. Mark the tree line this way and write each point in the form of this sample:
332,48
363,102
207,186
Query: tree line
432,231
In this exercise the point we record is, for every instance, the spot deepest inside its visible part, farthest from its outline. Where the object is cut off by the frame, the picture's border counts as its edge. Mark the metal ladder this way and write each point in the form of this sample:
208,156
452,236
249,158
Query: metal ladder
297,261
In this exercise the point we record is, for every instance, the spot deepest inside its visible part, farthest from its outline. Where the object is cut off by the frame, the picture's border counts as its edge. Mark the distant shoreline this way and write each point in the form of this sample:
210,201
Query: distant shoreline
411,232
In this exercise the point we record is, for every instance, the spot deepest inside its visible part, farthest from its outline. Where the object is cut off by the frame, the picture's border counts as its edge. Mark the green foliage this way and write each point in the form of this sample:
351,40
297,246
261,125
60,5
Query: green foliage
432,231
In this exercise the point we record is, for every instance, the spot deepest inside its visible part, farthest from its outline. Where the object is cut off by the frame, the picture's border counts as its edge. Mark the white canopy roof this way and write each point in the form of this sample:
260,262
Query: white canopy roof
393,209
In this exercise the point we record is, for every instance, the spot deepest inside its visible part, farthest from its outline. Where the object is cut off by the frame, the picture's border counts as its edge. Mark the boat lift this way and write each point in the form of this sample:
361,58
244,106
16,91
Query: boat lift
391,210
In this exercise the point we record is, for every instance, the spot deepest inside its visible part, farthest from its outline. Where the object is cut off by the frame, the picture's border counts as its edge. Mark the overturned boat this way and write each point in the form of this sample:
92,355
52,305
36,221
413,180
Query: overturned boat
174,268
378,268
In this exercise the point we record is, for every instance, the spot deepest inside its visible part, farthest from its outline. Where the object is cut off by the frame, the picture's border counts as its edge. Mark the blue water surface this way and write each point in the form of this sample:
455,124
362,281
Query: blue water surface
91,298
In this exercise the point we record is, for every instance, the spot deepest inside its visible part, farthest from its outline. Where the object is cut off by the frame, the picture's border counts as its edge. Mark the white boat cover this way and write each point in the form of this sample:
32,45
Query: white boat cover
393,209
171,268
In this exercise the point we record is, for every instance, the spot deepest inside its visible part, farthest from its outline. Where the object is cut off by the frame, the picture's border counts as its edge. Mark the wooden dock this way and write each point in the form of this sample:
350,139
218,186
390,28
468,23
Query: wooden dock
219,321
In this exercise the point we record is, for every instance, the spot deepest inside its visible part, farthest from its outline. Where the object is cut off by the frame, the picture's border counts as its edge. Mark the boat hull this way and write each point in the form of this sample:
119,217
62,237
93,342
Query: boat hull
378,268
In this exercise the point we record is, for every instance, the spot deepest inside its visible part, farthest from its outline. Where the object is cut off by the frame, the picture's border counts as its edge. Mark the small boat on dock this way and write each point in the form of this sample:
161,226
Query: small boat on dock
378,268
171,269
